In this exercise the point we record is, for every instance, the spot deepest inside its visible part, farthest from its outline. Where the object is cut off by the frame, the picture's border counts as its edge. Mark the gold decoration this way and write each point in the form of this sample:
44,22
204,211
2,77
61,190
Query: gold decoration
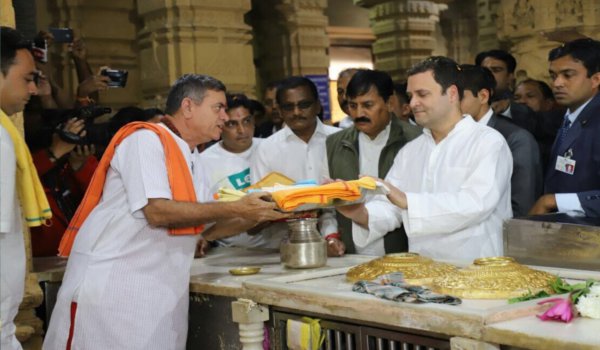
417,270
493,278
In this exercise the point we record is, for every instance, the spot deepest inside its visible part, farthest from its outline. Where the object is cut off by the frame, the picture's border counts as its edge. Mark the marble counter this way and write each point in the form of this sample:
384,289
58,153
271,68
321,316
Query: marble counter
211,275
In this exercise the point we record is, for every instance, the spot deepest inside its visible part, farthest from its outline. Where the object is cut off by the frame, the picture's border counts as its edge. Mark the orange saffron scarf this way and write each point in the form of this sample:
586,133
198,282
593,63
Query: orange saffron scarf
178,174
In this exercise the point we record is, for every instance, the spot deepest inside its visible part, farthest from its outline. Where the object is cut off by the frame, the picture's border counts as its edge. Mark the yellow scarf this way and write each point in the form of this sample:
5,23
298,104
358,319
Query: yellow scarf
31,193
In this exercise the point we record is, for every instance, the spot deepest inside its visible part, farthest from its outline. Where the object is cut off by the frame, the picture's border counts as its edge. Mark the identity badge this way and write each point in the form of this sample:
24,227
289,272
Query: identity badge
565,165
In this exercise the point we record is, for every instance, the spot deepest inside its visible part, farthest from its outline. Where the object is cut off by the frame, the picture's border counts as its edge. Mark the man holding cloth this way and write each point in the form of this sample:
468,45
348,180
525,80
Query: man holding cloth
449,187
126,282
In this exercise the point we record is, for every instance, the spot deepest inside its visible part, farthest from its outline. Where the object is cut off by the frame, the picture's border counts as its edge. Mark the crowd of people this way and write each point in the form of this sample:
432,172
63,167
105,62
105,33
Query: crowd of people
460,147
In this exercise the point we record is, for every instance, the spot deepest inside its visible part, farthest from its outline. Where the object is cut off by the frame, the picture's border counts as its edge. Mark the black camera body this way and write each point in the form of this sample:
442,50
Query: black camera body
62,35
118,77
97,134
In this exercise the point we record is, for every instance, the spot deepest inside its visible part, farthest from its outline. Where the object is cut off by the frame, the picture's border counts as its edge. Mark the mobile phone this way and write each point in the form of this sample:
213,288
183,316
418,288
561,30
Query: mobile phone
118,77
62,35
39,49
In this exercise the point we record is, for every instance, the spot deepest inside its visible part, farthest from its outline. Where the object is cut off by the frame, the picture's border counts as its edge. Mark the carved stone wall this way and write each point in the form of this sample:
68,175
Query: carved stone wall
199,36
405,32
527,24
487,17
290,38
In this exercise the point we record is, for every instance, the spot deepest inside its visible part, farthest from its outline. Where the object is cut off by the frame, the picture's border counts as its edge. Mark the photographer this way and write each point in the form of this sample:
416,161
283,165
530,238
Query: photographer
65,170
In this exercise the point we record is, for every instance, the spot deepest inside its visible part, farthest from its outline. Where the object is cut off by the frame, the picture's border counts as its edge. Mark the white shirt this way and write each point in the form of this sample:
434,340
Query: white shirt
130,279
286,153
232,170
569,202
12,245
458,194
346,122
368,158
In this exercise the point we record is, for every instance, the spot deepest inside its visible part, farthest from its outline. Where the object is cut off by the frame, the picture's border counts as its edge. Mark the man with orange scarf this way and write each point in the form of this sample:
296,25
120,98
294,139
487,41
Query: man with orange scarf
21,193
132,240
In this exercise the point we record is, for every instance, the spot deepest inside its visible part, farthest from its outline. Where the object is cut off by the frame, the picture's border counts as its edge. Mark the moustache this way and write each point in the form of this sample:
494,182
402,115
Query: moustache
362,120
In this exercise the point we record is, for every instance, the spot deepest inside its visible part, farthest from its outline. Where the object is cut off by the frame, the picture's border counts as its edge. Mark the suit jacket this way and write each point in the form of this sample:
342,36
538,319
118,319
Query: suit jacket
583,142
264,130
526,180
343,162
524,117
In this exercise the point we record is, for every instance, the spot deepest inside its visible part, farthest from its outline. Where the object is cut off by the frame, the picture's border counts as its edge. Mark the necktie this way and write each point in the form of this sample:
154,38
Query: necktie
564,129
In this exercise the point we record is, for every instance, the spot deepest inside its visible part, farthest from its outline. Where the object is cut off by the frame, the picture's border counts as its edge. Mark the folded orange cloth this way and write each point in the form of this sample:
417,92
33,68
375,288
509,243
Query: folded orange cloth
345,190
178,173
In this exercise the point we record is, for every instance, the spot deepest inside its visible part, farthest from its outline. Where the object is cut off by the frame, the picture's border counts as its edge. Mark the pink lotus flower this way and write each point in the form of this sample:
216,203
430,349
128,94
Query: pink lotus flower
562,310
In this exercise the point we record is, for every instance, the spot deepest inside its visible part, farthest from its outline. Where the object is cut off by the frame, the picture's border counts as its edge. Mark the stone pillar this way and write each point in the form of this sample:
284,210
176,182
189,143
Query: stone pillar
197,36
109,30
290,38
527,25
487,17
251,318
405,32
458,24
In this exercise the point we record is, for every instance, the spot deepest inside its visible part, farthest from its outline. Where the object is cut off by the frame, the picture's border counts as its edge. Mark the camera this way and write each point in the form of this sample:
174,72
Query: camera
118,77
62,35
97,134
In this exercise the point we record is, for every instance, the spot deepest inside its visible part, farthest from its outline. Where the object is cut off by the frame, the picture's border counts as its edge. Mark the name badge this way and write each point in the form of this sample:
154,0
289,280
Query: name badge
565,165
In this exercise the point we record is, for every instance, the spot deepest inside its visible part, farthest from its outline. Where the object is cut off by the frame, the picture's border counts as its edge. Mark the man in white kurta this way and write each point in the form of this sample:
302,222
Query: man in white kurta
12,246
297,151
450,187
127,275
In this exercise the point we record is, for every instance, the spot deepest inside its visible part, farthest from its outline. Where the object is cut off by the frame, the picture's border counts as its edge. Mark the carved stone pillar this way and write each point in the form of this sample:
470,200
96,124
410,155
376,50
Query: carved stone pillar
109,30
197,36
458,24
251,318
290,37
527,25
487,17
404,31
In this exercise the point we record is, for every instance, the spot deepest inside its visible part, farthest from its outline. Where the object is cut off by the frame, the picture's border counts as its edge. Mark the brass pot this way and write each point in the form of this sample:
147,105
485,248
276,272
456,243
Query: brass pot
304,248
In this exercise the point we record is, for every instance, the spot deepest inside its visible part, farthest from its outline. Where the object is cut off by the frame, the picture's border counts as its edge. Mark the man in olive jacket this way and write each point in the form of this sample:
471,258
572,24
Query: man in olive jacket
369,148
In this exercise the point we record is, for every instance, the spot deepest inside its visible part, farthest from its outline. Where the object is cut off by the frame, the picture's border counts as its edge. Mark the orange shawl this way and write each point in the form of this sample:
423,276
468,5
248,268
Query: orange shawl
178,173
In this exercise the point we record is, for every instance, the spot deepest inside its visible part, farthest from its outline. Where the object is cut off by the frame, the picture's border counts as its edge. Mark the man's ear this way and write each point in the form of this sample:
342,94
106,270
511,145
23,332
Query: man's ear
452,92
186,107
483,96
595,80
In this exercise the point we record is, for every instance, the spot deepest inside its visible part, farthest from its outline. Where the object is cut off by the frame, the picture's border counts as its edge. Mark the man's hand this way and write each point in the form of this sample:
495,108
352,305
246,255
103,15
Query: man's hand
59,147
78,49
258,207
202,248
80,154
335,247
396,196
92,84
545,204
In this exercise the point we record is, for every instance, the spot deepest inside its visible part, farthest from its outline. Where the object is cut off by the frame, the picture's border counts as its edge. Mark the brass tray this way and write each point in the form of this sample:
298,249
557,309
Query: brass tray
245,270
493,278
417,269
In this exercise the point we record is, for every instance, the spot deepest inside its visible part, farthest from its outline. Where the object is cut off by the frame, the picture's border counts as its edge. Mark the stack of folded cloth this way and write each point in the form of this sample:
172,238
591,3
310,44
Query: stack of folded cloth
291,199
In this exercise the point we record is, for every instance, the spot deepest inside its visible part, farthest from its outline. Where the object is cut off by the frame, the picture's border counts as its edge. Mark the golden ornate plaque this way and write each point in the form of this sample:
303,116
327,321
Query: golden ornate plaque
417,270
493,278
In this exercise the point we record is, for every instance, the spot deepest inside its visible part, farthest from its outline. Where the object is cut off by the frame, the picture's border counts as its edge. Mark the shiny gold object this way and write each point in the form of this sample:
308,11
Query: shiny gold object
493,278
245,270
417,269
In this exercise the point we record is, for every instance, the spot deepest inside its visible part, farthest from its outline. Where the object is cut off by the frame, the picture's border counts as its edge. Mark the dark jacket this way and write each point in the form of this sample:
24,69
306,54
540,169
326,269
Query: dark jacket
343,161
583,142
526,180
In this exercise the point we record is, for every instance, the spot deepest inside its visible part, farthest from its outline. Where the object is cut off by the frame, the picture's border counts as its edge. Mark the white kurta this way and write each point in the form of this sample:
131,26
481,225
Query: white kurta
130,279
12,246
286,153
232,170
458,194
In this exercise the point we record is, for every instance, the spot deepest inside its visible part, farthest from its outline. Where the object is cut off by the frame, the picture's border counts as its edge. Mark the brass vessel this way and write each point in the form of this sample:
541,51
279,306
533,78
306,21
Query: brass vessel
417,270
493,278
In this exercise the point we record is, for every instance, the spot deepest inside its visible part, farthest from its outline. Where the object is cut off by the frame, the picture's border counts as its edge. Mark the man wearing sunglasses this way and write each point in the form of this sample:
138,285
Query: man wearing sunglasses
297,150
